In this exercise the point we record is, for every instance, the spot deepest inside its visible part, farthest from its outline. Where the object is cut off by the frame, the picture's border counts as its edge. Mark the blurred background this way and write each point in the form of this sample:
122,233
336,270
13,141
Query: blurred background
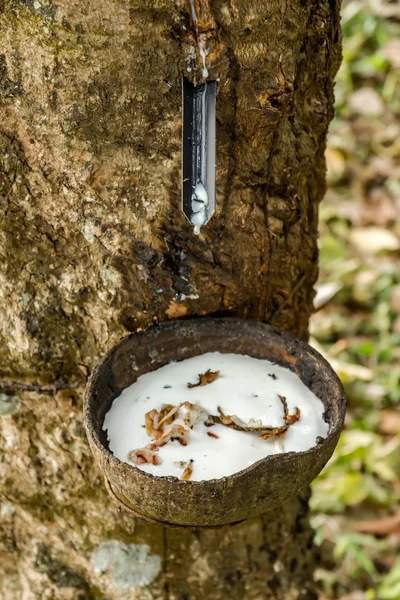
356,500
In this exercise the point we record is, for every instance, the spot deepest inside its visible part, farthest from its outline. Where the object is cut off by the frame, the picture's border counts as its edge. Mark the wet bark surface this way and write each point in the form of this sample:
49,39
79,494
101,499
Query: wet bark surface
93,244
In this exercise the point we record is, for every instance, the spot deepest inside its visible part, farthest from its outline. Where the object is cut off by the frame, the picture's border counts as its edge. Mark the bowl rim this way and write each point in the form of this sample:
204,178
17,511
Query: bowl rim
203,321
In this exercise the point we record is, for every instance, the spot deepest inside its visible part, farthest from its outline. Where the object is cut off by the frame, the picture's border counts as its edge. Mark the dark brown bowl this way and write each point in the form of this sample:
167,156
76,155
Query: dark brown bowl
263,486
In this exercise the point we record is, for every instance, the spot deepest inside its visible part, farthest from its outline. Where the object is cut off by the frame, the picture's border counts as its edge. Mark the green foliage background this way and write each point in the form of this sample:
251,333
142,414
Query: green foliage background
356,500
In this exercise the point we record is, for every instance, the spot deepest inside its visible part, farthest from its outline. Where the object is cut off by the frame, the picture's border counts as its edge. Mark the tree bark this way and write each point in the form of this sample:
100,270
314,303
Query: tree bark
94,244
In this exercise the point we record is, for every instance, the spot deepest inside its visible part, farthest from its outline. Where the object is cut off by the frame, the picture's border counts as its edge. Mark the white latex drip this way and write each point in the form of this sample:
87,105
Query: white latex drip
202,50
203,56
199,207
200,194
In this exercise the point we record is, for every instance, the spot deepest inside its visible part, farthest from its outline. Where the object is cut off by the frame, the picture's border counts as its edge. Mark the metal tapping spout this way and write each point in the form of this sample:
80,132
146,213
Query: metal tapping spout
198,152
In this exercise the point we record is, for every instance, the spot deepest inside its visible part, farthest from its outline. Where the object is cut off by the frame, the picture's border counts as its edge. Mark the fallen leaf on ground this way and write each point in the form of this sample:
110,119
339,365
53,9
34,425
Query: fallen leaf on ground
326,292
396,325
379,209
335,162
371,240
395,299
357,595
366,101
384,526
391,51
389,422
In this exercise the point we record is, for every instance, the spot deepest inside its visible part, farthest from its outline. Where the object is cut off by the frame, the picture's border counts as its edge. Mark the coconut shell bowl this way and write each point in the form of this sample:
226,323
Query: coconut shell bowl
260,488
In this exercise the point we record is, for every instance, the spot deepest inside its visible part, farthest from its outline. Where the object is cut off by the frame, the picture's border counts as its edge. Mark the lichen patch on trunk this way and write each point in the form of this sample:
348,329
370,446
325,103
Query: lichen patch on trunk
128,566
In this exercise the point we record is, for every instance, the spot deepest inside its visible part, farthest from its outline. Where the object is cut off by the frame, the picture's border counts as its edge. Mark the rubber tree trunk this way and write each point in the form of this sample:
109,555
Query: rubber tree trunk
93,244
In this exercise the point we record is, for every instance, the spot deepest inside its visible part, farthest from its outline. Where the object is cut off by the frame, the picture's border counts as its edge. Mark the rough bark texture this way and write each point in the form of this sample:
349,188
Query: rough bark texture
93,244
